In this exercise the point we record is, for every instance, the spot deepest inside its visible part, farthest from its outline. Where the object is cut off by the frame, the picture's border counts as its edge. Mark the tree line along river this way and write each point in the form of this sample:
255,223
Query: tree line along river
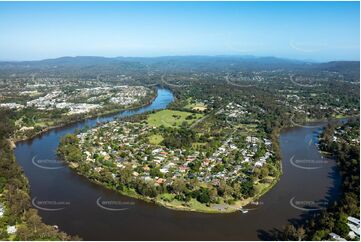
79,207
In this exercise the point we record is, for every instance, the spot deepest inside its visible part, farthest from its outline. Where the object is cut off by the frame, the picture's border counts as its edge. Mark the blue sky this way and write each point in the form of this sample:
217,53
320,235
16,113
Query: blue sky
320,31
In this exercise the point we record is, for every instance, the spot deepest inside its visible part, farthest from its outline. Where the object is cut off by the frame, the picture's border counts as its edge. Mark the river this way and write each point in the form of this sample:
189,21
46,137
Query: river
63,198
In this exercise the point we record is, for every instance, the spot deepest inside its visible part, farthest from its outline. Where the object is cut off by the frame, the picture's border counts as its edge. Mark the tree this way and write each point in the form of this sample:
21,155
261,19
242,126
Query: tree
179,186
247,188
224,189
289,232
341,228
213,195
319,235
125,175
68,148
202,195
300,233
155,172
264,172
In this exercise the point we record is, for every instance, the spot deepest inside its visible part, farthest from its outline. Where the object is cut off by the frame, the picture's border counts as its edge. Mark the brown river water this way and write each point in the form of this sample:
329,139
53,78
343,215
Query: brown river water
79,207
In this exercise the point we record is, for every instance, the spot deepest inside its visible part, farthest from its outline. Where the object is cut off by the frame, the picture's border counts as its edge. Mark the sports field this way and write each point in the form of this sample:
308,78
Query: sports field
196,106
171,118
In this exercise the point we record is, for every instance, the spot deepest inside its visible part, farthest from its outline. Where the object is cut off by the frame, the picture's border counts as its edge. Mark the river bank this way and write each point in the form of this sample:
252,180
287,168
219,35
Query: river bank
84,217
48,232
91,115
220,204
193,205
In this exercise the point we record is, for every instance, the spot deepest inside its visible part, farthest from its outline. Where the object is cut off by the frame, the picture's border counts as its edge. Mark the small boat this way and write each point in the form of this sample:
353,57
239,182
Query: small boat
243,210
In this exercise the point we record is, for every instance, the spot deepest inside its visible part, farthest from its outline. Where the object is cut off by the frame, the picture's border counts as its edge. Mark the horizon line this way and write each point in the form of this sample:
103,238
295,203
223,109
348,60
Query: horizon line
189,55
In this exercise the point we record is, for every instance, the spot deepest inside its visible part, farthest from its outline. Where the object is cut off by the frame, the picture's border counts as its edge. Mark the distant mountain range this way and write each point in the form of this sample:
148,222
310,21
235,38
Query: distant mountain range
92,60
85,64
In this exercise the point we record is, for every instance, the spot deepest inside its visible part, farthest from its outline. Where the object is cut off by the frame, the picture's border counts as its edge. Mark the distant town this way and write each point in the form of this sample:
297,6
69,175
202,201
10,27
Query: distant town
211,144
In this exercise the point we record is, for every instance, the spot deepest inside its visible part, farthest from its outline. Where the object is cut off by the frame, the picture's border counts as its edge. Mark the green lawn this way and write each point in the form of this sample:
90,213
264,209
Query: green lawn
259,187
196,106
169,201
44,123
171,118
155,139
340,116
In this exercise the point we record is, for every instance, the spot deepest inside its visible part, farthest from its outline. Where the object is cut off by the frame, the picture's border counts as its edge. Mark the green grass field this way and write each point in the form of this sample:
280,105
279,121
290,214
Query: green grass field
171,118
197,106
193,205
197,145
155,139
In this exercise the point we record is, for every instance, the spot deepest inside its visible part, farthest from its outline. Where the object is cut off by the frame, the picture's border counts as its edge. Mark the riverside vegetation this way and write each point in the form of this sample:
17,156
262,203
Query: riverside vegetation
15,202
267,93
341,142
159,157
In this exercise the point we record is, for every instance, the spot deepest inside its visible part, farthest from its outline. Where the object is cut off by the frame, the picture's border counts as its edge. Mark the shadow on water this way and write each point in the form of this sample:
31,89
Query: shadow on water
330,199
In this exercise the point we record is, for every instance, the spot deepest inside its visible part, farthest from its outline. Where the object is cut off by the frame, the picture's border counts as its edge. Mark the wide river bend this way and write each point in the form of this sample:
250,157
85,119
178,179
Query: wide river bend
309,181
